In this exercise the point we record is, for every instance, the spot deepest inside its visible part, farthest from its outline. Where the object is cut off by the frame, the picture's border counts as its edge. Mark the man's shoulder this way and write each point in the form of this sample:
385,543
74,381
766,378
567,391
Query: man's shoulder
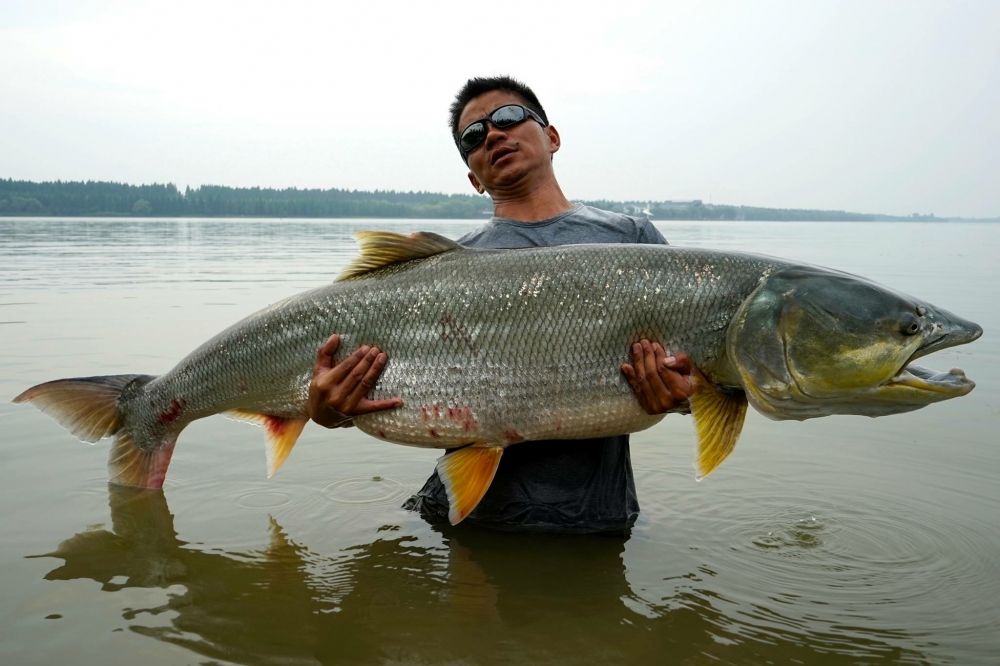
632,229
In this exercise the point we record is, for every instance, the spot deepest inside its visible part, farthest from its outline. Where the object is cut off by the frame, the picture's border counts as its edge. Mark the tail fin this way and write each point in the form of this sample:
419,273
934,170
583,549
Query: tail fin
91,408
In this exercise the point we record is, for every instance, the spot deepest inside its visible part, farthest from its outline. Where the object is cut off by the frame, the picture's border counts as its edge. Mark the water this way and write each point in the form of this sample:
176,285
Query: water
838,540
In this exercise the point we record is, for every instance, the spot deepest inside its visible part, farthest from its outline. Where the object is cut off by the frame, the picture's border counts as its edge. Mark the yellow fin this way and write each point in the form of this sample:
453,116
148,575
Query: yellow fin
382,248
282,433
718,419
466,475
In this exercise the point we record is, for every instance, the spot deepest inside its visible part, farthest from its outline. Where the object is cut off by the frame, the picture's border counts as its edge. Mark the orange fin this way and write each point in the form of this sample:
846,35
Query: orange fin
718,418
130,465
466,475
282,433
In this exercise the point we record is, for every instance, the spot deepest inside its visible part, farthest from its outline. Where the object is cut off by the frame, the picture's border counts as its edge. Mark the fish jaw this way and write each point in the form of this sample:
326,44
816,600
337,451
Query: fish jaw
951,384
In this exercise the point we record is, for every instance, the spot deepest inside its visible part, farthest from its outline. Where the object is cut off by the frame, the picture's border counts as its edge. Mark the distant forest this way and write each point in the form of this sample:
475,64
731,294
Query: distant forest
106,199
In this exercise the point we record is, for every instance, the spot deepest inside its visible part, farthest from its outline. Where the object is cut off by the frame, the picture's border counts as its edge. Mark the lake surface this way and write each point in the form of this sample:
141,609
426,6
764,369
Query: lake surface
837,540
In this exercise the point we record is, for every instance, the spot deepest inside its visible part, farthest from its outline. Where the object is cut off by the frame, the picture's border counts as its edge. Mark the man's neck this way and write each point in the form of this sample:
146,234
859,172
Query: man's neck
542,203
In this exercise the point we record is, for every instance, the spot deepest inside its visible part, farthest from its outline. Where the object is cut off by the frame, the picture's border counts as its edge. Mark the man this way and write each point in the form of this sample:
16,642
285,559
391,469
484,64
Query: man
504,136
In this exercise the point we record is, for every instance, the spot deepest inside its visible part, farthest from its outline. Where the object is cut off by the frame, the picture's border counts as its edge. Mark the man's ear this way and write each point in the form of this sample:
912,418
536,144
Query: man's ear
554,140
475,183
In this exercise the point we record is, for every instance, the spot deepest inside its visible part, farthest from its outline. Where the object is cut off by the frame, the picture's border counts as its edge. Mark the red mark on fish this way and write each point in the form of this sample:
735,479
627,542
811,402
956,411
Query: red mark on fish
437,413
512,436
463,416
173,412
275,425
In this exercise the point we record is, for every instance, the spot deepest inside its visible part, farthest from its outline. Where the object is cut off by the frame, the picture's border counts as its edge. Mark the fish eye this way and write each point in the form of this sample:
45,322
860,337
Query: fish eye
910,325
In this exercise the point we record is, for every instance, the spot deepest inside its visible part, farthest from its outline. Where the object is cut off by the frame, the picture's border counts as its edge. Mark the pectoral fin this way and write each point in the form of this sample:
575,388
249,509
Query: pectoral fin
718,418
466,475
282,433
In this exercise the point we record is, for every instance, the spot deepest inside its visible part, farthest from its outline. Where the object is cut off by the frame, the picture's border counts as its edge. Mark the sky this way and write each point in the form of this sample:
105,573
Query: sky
873,106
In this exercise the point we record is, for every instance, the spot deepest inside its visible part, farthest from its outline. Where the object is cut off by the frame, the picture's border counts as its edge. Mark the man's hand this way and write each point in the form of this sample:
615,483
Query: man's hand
337,392
660,381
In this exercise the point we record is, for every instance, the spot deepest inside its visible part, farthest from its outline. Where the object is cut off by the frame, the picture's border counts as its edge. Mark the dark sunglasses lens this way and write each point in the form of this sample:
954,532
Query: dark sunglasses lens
473,136
506,116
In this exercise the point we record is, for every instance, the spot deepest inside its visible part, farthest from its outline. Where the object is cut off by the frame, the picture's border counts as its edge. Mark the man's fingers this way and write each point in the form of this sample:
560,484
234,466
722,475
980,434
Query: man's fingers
679,362
342,370
358,400
366,406
650,357
645,370
678,385
630,377
639,370
659,395
660,380
638,363
360,380
633,381
675,372
324,357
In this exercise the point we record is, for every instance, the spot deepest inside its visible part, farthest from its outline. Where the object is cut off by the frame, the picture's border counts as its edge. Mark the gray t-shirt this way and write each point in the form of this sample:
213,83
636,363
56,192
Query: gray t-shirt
580,224
554,485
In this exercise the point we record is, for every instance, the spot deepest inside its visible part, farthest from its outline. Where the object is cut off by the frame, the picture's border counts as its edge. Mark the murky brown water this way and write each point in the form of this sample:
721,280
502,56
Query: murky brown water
839,540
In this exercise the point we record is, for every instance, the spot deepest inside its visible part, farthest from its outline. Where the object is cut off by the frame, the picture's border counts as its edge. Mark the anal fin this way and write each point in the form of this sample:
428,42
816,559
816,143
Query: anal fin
719,418
467,475
282,433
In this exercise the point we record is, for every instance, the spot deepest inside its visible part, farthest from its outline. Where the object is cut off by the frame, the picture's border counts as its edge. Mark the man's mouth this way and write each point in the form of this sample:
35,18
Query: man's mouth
500,153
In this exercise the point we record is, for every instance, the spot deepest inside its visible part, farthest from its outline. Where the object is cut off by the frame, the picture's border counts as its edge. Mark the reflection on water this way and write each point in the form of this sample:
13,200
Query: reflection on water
490,596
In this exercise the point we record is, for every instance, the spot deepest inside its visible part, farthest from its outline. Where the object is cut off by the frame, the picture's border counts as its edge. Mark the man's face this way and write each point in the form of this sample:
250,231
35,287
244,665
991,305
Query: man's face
508,157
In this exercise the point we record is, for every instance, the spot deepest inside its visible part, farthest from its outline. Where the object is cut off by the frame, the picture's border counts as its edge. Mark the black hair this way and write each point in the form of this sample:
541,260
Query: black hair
480,85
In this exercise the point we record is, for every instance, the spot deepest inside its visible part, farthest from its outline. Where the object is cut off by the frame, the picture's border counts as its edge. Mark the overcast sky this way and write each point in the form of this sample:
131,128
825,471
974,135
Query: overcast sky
872,106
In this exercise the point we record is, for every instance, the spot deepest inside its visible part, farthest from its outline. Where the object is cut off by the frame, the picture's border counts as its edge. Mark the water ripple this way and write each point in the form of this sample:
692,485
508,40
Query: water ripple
363,490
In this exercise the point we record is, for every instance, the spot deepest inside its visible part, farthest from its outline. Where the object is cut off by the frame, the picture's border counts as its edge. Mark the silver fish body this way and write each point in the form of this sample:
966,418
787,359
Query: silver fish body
495,347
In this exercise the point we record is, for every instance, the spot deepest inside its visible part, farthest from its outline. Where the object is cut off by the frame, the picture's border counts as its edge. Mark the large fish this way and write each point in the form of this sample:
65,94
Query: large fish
488,348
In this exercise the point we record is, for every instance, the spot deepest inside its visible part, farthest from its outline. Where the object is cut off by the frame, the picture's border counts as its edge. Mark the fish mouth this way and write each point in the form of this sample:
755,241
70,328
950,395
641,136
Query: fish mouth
951,383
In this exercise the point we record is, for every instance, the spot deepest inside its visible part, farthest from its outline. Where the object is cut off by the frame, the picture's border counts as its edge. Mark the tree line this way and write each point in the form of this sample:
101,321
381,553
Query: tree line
110,199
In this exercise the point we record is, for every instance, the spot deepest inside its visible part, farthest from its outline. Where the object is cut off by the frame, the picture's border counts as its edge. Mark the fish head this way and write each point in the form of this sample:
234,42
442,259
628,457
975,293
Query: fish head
811,342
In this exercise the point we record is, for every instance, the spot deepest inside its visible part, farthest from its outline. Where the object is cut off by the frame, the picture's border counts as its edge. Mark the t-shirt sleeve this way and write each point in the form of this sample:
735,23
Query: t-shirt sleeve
648,234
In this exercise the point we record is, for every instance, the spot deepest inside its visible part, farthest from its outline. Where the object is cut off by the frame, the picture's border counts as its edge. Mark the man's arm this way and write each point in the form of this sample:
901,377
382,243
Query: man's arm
337,392
661,381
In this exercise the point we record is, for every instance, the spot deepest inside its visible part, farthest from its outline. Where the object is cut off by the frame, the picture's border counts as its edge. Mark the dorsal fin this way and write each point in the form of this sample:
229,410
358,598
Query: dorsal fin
382,248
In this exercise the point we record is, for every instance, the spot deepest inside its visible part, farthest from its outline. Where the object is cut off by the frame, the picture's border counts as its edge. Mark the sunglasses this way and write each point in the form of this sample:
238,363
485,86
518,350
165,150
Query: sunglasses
502,118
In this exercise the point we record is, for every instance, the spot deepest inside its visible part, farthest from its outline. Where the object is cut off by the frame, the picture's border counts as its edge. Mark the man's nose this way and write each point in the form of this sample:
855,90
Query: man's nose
494,134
